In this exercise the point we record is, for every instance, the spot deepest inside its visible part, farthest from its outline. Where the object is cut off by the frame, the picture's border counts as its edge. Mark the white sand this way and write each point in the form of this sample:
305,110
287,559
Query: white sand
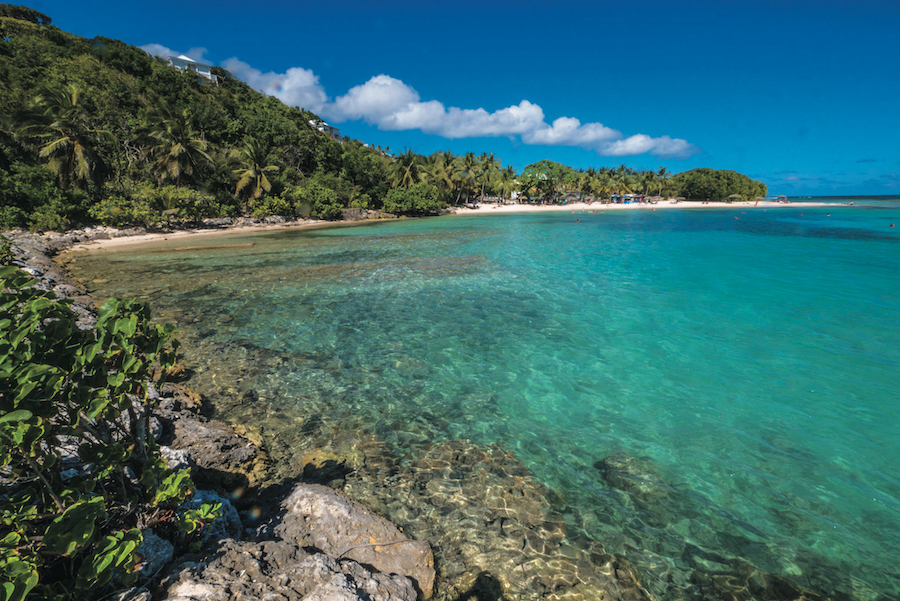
184,236
578,207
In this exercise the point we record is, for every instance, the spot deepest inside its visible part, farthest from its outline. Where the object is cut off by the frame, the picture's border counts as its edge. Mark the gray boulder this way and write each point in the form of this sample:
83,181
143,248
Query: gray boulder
328,520
155,553
278,570
225,461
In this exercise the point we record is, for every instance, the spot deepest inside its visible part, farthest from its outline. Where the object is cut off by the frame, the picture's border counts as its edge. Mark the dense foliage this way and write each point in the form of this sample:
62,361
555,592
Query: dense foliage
717,184
97,130
80,473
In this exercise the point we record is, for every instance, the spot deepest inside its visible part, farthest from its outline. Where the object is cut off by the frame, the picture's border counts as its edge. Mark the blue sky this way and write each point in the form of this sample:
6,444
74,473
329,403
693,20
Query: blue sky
801,95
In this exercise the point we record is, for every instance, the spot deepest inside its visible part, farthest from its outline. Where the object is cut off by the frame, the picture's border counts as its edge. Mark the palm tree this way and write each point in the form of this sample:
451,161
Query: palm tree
488,166
662,175
438,171
64,137
405,170
253,159
507,181
647,179
174,144
466,172
603,183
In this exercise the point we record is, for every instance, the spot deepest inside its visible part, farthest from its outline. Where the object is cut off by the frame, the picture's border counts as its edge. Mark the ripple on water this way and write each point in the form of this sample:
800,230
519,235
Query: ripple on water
664,406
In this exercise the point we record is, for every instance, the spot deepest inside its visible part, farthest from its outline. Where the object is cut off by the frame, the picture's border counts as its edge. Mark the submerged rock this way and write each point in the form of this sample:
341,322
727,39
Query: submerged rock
492,526
634,476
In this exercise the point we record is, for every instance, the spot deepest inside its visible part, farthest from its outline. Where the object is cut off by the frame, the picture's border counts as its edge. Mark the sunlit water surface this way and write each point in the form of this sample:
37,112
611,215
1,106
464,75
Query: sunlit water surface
751,360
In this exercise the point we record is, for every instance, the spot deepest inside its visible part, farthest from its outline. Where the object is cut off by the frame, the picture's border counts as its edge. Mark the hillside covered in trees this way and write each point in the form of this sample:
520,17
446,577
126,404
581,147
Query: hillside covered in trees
100,131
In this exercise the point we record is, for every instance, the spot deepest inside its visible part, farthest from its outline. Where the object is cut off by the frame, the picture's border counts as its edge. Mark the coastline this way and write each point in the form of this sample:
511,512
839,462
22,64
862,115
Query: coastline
363,483
145,239
497,208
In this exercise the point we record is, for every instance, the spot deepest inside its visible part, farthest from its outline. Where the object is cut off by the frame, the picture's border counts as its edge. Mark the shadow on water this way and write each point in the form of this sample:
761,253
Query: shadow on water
485,588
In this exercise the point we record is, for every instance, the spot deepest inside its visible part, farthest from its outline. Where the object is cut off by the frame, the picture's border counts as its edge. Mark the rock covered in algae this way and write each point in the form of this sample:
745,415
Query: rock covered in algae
320,517
279,570
492,526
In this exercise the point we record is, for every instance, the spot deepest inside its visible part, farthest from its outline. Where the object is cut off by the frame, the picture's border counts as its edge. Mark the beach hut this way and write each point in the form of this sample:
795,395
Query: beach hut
733,197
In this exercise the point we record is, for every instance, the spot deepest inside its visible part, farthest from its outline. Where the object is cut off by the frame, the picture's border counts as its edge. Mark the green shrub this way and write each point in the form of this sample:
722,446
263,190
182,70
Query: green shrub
80,472
117,211
272,205
6,255
363,201
324,202
419,198
29,197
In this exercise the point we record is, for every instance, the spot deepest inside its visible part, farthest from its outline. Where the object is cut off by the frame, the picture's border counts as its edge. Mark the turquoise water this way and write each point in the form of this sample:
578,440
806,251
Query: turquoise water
749,359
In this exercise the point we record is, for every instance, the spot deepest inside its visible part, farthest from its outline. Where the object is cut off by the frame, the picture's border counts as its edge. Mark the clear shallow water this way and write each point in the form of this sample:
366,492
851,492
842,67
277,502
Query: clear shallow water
751,364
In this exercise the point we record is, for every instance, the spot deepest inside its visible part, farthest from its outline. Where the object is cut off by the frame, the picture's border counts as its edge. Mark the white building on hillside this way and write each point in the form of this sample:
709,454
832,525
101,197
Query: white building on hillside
332,131
186,63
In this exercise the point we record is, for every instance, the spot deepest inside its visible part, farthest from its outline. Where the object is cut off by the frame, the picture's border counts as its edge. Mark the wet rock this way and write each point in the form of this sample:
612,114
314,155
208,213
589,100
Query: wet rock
175,399
492,526
225,461
320,517
279,570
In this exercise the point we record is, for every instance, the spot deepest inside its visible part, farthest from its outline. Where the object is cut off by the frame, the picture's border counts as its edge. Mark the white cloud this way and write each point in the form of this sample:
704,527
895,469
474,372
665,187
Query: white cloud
374,101
296,87
390,104
568,131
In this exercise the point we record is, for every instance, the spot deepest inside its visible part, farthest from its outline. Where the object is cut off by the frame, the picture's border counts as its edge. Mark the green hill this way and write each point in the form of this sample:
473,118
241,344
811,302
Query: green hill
127,137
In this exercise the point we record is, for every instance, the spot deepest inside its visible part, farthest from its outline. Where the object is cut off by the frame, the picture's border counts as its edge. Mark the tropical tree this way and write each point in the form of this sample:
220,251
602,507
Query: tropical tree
506,182
255,161
63,136
438,171
546,179
406,169
602,183
646,181
465,174
174,144
487,170
662,176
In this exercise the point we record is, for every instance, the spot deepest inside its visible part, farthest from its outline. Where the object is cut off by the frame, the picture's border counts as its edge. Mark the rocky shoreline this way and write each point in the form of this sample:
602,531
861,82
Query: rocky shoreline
313,542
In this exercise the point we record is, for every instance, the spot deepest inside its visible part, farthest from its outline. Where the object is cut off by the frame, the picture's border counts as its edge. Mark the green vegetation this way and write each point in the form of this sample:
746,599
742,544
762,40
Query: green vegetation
712,184
97,130
81,475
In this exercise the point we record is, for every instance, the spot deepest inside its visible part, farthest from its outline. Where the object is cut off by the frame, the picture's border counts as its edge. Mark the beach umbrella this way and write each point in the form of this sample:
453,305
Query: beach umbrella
734,196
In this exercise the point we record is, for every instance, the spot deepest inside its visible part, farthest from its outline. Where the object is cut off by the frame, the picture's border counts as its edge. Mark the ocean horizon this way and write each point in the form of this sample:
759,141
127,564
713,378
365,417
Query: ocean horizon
710,395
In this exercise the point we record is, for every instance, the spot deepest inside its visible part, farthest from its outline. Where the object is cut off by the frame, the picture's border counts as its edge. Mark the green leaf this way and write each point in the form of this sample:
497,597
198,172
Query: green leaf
74,529
20,415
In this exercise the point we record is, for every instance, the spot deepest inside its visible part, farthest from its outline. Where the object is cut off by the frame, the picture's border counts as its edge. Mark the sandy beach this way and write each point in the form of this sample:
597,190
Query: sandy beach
184,238
490,208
